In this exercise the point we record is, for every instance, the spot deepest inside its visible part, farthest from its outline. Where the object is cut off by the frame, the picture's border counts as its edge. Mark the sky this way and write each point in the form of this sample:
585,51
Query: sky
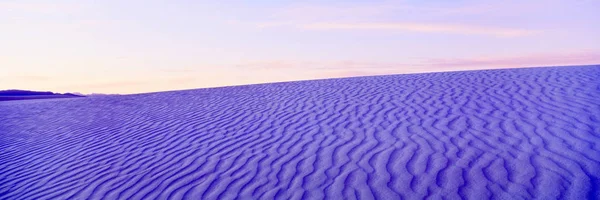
135,46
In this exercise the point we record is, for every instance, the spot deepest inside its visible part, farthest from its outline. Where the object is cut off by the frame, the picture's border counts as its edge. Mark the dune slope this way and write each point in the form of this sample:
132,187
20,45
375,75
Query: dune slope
507,134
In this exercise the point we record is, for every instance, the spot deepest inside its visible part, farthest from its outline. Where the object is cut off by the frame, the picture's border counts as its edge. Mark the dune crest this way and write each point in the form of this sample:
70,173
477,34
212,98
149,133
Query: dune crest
505,134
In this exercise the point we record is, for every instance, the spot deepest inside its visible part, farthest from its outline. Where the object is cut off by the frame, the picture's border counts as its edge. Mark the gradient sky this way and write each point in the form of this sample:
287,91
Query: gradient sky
144,46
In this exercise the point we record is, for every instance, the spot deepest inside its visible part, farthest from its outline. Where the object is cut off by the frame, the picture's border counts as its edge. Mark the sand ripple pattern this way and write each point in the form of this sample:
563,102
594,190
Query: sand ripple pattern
502,134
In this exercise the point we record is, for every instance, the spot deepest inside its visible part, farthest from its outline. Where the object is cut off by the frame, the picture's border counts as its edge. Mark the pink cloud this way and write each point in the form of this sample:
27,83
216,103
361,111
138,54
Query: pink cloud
349,68
349,73
554,59
313,65
426,17
422,27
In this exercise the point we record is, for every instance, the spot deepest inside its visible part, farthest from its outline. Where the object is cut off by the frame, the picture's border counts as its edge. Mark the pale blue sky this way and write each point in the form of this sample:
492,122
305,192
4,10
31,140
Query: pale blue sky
143,46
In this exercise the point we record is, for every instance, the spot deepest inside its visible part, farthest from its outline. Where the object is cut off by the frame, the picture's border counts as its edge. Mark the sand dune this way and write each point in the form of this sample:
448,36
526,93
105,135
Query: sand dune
11,95
503,134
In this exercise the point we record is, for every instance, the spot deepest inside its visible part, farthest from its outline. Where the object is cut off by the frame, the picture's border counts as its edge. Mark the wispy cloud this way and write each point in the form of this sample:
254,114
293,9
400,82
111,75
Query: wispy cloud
428,64
314,65
546,59
347,68
422,27
289,70
390,16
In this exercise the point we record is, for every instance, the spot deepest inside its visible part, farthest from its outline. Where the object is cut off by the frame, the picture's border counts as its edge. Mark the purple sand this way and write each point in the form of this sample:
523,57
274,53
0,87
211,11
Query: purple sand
505,134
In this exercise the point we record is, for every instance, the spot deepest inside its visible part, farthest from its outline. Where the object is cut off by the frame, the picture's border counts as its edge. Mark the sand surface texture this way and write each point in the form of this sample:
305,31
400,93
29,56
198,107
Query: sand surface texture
504,134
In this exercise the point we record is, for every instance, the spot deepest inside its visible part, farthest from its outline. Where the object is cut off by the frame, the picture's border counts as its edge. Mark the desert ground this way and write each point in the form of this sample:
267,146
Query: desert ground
527,133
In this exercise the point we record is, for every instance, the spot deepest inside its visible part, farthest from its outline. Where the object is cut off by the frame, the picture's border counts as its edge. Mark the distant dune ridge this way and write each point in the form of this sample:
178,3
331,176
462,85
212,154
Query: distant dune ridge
531,133
9,95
